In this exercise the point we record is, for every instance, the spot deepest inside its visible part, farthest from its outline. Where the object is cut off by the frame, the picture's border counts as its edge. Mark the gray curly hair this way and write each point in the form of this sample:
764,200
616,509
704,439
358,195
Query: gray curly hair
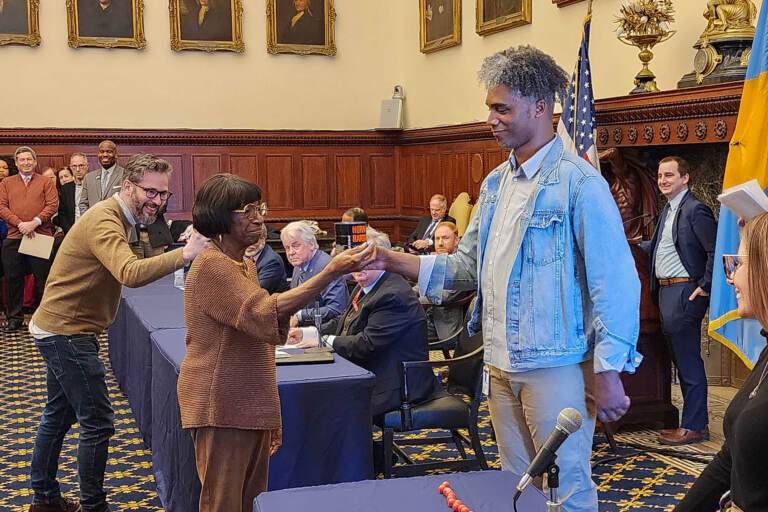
527,70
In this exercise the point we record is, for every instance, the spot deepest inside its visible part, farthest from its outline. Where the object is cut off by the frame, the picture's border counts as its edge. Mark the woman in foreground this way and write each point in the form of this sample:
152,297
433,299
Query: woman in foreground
227,385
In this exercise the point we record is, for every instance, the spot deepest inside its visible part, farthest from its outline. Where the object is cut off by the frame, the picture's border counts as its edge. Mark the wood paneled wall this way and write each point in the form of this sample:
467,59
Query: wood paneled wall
315,175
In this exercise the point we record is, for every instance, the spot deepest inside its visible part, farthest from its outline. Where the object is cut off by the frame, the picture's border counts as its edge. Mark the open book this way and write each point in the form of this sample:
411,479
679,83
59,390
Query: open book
745,200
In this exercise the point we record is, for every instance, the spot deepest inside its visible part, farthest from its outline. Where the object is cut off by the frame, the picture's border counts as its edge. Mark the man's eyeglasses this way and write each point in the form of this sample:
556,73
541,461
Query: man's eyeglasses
153,193
731,263
252,210
78,166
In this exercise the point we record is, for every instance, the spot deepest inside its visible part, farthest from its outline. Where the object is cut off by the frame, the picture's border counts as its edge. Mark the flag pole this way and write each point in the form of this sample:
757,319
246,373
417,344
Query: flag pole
589,7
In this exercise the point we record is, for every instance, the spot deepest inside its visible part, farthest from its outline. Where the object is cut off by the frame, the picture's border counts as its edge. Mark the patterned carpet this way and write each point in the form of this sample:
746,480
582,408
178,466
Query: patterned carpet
638,481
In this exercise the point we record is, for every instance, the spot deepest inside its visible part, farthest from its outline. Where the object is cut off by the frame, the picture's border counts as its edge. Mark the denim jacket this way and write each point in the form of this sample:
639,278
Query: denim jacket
574,290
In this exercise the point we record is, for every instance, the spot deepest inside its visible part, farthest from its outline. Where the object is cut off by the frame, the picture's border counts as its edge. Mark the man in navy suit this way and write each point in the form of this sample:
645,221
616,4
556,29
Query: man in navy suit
383,325
308,260
682,252
422,240
269,265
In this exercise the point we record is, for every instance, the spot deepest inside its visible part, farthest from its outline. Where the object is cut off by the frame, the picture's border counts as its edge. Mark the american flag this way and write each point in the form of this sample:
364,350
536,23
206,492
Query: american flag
577,125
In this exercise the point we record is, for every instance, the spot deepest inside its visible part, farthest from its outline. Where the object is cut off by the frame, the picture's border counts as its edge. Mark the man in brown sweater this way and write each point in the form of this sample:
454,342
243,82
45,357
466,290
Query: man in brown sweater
80,302
27,203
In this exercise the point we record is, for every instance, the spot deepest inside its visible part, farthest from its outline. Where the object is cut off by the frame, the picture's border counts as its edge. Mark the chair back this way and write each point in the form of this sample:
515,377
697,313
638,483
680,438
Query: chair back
460,210
464,377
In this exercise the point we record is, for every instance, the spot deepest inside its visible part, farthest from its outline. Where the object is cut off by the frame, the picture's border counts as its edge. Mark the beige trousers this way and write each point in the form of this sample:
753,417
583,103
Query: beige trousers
524,408
233,466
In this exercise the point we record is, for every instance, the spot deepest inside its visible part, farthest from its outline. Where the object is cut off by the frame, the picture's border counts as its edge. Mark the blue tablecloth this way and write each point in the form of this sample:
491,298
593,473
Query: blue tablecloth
482,491
325,408
142,311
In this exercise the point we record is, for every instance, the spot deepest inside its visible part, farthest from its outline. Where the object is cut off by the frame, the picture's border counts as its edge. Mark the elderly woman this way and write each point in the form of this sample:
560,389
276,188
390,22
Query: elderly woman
227,387
742,463
308,260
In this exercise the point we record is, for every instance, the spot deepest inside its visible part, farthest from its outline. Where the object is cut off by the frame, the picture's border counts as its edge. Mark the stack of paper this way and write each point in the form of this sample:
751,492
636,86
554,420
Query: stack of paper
745,200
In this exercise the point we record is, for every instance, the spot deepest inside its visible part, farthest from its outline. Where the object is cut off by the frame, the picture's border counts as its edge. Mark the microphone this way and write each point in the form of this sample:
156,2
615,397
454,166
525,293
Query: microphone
638,217
568,422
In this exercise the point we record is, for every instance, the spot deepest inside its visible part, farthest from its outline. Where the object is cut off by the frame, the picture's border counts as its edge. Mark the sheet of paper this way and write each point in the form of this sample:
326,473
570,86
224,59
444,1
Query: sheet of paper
40,246
745,200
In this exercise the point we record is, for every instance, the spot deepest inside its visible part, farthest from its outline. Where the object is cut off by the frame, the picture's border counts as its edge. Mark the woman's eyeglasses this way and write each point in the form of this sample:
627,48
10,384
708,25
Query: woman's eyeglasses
253,210
731,263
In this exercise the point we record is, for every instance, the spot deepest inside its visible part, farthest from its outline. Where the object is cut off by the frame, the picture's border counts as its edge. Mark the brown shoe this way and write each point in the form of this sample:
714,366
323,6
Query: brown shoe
64,505
683,436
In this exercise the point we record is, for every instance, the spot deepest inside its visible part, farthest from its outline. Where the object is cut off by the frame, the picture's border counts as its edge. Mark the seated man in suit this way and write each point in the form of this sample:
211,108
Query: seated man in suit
383,325
308,260
422,240
445,319
269,265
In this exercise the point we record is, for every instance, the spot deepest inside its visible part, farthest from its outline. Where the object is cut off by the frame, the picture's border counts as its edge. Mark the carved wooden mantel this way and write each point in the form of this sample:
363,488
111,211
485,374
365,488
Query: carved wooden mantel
681,116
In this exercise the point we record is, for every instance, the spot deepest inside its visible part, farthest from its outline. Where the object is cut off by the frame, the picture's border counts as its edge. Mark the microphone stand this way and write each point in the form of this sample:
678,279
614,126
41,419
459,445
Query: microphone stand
553,482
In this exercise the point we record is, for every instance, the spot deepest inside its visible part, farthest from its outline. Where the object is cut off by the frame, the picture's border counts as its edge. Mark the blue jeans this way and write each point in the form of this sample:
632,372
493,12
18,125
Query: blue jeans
77,391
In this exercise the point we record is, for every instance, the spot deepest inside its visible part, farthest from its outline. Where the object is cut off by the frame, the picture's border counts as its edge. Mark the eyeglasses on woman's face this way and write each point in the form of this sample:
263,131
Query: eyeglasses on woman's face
253,210
732,263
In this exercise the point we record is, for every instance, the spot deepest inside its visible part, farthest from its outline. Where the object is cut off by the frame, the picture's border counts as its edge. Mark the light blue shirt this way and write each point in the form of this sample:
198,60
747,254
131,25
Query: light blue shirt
668,263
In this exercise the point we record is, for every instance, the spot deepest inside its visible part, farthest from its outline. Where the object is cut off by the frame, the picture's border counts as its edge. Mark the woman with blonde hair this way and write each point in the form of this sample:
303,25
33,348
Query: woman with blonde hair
741,465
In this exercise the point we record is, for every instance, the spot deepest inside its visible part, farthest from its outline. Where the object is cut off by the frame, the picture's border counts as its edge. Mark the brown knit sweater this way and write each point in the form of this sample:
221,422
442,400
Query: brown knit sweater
228,376
94,261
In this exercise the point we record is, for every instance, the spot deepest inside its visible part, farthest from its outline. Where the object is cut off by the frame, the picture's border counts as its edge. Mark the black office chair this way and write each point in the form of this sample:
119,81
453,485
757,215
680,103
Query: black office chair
447,344
447,411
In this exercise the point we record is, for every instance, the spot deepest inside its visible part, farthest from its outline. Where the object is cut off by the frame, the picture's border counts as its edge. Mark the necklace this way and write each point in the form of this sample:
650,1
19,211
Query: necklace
753,394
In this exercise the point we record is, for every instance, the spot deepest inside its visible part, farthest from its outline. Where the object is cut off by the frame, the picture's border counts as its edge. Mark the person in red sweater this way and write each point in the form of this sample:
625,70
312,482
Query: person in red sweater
27,203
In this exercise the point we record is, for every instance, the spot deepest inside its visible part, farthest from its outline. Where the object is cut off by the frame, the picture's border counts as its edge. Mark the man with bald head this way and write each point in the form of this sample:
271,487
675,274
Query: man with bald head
104,182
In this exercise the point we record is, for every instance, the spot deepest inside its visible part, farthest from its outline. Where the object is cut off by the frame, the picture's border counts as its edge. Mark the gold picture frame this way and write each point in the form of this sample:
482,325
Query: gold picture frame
439,24
497,15
20,22
563,3
303,33
221,27
119,25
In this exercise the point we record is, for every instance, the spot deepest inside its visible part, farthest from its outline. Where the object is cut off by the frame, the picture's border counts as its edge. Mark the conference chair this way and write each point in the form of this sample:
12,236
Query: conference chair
445,345
455,409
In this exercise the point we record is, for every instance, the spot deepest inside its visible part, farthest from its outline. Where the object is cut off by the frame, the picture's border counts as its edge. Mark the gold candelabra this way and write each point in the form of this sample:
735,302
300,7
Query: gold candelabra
644,24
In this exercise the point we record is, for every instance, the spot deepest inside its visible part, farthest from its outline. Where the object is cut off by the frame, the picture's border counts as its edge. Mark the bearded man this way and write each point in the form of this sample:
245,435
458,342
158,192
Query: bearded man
79,303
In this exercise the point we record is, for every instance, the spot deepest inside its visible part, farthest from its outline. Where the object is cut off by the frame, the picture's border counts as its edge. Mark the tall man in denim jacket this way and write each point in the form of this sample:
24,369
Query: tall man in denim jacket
557,289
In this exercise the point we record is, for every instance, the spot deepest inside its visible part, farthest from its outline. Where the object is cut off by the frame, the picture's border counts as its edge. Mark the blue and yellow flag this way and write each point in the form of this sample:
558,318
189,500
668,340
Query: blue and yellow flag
747,159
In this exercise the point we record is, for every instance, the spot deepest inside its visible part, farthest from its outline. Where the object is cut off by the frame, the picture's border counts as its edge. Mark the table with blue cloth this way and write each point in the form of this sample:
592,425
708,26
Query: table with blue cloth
326,408
481,491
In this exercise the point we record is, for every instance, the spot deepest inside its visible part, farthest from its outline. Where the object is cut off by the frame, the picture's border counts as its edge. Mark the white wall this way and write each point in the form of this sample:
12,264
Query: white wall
378,47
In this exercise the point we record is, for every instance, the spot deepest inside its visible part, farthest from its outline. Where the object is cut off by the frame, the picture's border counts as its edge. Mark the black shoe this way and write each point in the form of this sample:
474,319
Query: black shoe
13,325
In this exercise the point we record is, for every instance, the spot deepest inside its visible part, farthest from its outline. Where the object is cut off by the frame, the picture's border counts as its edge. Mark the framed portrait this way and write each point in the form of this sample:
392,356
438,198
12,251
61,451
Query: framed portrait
496,15
563,3
20,22
301,26
106,23
439,24
208,25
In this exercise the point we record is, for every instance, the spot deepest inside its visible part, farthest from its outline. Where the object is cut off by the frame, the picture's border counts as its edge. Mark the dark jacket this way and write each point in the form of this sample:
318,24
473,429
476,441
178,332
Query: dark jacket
421,228
694,232
217,23
66,216
159,233
388,327
271,271
309,29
